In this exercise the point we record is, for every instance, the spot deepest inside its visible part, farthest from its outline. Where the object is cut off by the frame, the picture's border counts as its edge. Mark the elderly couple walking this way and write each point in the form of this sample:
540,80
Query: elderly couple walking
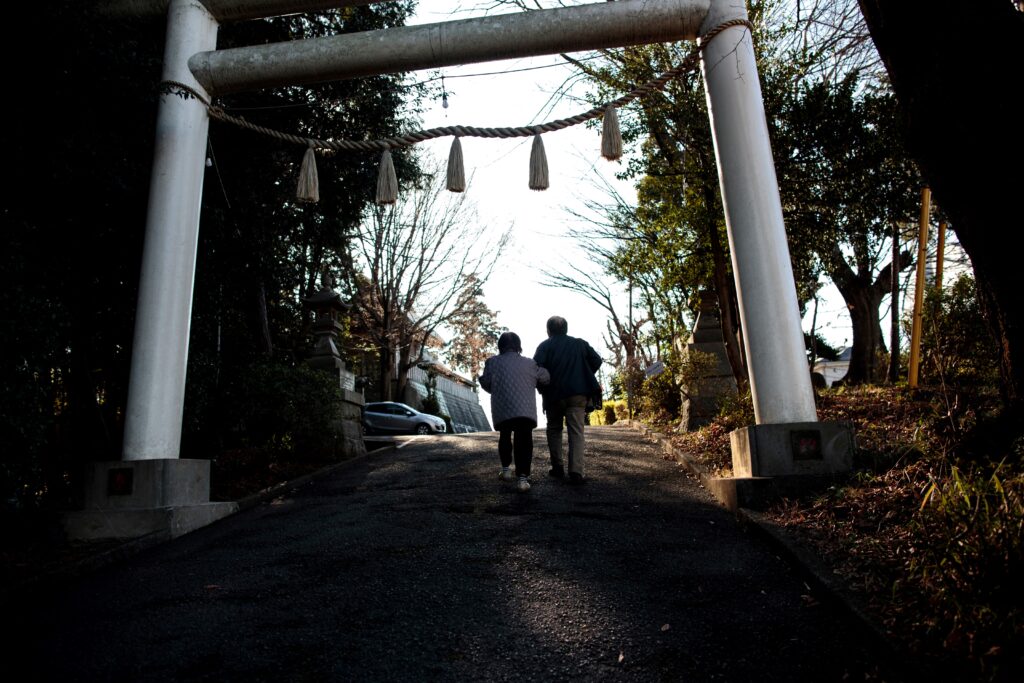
562,369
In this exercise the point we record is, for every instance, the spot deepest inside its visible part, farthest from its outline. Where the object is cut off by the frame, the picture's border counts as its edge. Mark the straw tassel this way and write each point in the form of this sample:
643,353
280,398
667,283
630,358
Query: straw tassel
456,170
308,189
387,181
611,137
538,165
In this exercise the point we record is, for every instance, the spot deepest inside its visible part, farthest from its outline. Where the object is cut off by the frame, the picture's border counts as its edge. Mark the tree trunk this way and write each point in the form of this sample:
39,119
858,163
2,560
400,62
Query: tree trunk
893,374
311,276
964,134
266,342
863,299
386,364
402,379
863,302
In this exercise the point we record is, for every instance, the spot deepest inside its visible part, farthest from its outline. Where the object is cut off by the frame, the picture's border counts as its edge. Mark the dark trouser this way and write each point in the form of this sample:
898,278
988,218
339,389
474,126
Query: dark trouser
522,429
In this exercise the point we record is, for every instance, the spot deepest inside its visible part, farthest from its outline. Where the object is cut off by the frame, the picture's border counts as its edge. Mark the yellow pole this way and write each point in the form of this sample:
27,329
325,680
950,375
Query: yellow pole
922,252
940,255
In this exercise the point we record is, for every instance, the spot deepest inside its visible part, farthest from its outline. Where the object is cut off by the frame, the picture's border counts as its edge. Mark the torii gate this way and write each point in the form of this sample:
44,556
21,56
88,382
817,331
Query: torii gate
769,311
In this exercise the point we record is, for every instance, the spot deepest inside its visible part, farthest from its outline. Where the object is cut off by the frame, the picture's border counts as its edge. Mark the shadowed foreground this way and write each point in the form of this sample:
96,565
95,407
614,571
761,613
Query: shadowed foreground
418,564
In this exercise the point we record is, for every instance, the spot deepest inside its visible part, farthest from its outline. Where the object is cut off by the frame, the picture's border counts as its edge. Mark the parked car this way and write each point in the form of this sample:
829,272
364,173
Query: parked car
389,417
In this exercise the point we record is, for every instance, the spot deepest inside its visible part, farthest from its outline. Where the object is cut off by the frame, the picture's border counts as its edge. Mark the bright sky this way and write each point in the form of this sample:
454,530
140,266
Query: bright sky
497,172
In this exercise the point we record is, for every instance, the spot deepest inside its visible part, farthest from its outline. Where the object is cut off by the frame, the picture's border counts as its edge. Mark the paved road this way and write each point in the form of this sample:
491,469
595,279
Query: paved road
417,564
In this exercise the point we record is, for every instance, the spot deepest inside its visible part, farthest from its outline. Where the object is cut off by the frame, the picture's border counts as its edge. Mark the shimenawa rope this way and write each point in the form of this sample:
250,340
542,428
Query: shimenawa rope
387,186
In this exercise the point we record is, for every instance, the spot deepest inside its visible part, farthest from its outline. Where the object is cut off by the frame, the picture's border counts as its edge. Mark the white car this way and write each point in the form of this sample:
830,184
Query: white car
389,417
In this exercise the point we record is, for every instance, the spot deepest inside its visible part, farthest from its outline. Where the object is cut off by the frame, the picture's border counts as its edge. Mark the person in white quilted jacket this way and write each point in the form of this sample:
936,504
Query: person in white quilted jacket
512,380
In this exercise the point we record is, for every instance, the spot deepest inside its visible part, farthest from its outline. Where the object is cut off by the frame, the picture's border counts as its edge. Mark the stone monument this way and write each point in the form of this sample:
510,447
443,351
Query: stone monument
329,311
701,399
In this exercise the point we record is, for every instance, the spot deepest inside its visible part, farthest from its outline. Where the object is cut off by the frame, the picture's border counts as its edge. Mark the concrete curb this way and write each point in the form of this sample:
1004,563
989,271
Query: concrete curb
818,576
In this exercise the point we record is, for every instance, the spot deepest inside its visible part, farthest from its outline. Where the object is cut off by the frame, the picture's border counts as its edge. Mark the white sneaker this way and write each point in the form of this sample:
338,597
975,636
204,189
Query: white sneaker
506,474
524,485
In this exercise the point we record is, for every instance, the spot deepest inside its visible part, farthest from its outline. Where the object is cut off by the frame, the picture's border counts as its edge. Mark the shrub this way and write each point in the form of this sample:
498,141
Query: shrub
959,349
606,414
970,560
630,380
27,421
736,411
659,399
289,410
431,405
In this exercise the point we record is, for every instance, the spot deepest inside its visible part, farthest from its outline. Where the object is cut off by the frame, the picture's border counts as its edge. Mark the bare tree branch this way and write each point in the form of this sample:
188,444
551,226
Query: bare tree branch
421,262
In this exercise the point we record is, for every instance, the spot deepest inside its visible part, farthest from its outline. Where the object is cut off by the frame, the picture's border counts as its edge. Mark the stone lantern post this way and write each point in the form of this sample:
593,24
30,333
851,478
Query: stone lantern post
329,311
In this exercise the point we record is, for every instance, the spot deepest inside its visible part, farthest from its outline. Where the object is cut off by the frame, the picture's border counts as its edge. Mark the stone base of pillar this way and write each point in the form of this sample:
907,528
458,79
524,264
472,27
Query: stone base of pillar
774,461
796,449
132,498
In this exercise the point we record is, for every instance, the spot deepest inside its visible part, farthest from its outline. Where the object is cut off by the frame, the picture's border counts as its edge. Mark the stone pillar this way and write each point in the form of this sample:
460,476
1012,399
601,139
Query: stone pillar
701,399
786,440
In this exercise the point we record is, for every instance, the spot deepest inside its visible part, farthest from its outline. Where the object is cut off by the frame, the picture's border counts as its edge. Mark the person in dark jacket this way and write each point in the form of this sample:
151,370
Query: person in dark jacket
512,381
572,363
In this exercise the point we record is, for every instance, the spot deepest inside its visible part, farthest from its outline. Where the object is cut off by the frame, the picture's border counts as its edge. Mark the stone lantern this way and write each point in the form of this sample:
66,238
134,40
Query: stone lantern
328,310
701,402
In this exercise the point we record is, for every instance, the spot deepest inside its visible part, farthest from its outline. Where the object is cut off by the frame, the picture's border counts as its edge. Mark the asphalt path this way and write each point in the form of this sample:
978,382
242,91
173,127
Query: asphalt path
418,564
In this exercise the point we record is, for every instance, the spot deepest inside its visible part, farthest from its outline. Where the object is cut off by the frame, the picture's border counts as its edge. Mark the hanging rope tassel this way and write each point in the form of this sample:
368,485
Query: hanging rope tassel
456,171
611,137
387,181
538,165
308,189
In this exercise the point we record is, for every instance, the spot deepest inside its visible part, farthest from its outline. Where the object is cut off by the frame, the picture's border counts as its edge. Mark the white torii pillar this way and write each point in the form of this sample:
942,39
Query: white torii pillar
780,382
787,443
156,387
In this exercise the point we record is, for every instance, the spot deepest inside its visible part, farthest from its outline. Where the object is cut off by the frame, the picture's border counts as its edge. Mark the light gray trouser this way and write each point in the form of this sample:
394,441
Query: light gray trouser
572,411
